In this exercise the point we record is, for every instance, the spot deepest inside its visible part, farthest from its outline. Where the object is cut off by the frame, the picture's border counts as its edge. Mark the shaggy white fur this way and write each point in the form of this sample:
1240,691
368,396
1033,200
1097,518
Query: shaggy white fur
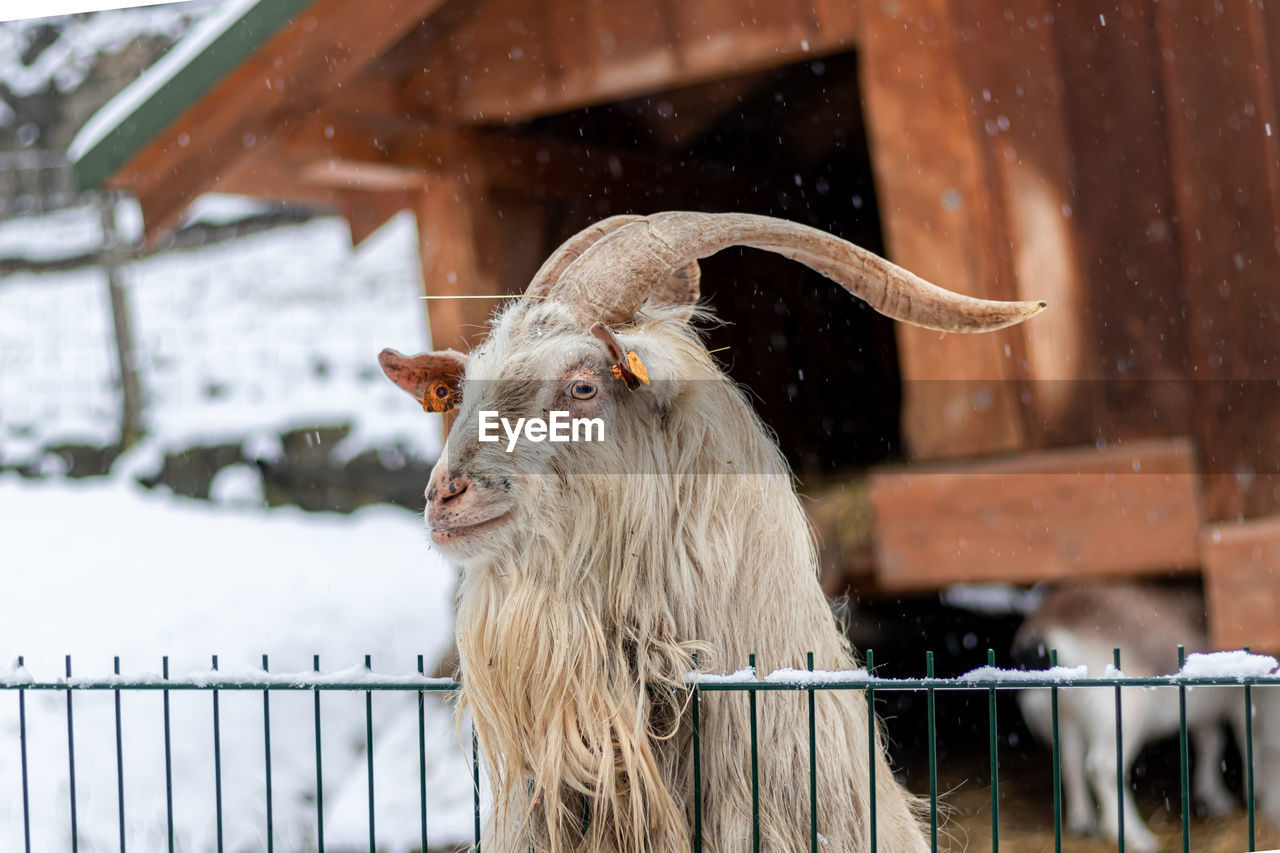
579,617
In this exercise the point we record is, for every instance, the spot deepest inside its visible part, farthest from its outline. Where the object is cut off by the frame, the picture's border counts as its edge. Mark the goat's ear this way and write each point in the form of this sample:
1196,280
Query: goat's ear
627,366
610,341
416,374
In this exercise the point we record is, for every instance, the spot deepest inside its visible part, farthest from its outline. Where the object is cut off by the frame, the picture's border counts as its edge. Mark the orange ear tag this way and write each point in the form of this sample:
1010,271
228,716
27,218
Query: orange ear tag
438,398
637,367
633,374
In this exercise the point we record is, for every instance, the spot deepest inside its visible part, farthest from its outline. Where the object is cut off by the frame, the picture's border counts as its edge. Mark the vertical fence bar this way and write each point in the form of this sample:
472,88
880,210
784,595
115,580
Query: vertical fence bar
119,758
933,758
71,760
995,766
22,745
315,666
697,763
1057,760
1119,760
475,778
1182,748
422,756
217,763
168,760
871,744
755,764
813,768
266,755
1248,760
368,742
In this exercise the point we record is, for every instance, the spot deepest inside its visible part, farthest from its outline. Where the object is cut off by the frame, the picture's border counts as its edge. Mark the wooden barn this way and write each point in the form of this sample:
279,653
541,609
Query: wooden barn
1117,158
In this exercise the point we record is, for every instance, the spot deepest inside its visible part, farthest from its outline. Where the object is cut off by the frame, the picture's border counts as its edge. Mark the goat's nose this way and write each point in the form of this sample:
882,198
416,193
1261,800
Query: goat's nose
448,488
454,488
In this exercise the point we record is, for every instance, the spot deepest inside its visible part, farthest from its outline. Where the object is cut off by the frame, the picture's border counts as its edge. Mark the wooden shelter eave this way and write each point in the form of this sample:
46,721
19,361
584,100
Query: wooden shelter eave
261,74
250,90
175,94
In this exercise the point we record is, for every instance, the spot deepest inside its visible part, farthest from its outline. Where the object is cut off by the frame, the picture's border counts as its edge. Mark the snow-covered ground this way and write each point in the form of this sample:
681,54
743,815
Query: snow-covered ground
64,233
101,567
235,341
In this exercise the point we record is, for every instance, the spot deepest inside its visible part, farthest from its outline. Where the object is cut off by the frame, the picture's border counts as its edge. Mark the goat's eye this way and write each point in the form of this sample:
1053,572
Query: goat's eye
581,390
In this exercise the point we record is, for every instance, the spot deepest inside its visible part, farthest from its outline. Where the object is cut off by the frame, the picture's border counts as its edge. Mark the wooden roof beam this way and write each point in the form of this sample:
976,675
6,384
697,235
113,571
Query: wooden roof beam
311,57
378,152
368,151
475,73
271,174
264,173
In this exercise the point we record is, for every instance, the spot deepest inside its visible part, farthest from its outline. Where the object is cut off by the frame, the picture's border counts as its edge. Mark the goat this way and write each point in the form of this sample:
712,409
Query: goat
591,574
1147,623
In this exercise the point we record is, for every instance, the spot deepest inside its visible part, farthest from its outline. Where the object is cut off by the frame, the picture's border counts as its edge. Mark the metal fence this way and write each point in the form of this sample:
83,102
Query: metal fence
34,180
988,681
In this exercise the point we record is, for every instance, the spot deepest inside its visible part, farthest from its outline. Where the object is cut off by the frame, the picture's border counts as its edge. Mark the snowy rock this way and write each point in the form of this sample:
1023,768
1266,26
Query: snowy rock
238,485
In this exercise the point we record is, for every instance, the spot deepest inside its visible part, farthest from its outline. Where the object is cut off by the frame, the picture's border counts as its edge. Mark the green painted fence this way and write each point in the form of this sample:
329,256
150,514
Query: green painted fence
984,681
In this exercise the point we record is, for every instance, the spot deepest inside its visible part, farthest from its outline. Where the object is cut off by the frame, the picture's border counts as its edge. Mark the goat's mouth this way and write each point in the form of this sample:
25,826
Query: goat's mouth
458,529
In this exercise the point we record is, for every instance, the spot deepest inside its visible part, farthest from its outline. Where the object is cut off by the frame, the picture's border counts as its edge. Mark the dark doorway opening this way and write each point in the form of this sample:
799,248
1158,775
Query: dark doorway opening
822,366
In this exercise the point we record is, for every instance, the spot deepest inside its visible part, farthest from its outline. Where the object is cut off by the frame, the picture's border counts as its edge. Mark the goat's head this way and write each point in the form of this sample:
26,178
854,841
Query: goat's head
628,284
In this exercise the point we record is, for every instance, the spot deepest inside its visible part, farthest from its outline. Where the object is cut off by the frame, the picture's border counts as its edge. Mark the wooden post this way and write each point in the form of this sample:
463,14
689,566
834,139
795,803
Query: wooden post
126,363
943,221
1224,147
1242,583
1134,313
451,264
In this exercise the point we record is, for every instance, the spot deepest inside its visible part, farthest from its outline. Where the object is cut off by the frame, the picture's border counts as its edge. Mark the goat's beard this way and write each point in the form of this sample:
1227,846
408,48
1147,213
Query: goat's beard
569,698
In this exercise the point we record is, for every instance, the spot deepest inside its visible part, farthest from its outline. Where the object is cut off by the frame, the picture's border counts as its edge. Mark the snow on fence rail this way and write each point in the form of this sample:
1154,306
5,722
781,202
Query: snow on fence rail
1237,669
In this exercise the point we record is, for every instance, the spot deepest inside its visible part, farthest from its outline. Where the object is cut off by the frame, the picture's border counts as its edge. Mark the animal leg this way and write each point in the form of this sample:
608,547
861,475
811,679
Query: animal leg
1210,744
1082,817
1100,763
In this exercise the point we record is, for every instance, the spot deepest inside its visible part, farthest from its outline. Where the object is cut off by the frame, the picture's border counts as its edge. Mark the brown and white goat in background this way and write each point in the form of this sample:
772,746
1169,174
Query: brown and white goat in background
1147,622
592,573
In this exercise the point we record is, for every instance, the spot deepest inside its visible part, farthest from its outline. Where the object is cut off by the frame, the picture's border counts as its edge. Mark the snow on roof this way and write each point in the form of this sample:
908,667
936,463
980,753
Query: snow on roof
210,50
80,40
136,94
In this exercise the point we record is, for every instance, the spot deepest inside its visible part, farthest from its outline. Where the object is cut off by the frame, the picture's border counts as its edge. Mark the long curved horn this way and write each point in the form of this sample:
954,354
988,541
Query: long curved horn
682,287
548,275
620,269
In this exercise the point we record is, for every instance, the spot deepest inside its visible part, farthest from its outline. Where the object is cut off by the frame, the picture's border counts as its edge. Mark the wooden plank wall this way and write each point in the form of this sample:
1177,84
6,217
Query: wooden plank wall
1047,515
1120,160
